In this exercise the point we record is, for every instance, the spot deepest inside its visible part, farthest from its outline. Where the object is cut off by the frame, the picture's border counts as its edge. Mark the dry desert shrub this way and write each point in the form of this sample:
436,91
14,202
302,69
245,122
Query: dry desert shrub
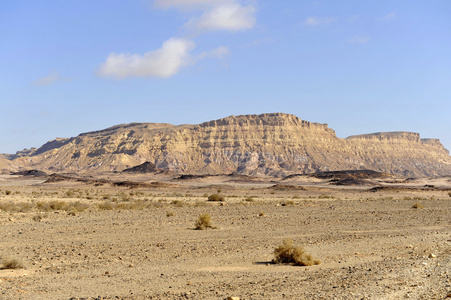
215,197
15,207
38,218
418,205
203,222
132,205
178,203
288,253
106,205
12,263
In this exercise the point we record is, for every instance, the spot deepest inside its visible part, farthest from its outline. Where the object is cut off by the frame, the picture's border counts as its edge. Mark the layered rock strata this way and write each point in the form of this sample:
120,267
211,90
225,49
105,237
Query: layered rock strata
273,144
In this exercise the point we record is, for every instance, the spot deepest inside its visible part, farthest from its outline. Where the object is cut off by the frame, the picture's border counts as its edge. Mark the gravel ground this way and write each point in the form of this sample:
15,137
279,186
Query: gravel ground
371,246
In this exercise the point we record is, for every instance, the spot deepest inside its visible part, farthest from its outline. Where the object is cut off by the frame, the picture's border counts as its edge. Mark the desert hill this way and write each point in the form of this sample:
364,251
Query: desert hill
273,144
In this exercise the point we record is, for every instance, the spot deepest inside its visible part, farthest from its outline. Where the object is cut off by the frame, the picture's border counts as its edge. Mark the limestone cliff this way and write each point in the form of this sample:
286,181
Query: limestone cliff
271,144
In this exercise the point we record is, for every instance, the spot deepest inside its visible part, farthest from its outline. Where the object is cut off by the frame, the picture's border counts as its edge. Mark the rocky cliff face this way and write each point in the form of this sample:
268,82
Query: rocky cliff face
270,144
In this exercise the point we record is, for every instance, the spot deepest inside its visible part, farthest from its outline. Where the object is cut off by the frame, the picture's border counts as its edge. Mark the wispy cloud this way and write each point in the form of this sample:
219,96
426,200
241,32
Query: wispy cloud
164,62
228,17
388,17
176,53
359,39
220,52
317,21
50,79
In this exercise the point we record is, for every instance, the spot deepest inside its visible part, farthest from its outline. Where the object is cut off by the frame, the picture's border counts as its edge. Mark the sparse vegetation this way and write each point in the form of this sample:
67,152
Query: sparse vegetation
106,205
288,253
215,197
12,263
177,203
38,218
204,222
418,205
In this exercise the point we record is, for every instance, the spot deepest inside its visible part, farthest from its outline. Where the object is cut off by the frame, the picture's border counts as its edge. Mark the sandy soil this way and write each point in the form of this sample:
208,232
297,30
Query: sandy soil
110,242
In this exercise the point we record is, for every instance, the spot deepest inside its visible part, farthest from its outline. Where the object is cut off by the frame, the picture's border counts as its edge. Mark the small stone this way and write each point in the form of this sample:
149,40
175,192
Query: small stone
432,255
233,298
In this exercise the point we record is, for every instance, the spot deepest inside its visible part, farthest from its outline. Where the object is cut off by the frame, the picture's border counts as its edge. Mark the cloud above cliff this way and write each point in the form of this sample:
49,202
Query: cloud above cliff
164,62
176,53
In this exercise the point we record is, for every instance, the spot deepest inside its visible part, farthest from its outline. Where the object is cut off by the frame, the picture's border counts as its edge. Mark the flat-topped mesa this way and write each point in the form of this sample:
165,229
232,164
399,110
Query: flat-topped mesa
126,127
268,119
274,144
384,136
434,143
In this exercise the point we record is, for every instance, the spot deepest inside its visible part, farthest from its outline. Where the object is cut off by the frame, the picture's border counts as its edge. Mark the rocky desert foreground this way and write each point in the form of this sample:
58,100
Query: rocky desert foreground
122,236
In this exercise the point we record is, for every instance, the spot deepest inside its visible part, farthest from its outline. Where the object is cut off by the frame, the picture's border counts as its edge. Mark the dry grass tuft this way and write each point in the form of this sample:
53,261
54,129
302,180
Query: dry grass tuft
215,197
12,263
418,206
204,222
287,253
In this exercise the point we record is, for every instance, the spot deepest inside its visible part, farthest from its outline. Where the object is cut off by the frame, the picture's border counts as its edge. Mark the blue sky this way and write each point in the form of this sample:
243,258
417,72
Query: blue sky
72,66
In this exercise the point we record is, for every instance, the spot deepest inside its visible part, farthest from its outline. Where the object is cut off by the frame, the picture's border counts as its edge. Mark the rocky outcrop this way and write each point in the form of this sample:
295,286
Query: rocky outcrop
146,167
268,144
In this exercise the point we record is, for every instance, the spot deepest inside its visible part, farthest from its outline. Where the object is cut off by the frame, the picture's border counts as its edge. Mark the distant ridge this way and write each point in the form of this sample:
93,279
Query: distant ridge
273,144
146,167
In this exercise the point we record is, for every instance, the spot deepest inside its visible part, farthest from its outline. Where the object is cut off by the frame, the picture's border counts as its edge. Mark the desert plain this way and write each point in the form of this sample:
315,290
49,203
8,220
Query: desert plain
132,236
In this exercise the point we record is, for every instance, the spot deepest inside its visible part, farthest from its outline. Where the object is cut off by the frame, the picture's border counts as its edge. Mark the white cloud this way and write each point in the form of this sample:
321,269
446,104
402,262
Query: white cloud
389,17
175,53
164,62
229,17
47,80
315,21
359,40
